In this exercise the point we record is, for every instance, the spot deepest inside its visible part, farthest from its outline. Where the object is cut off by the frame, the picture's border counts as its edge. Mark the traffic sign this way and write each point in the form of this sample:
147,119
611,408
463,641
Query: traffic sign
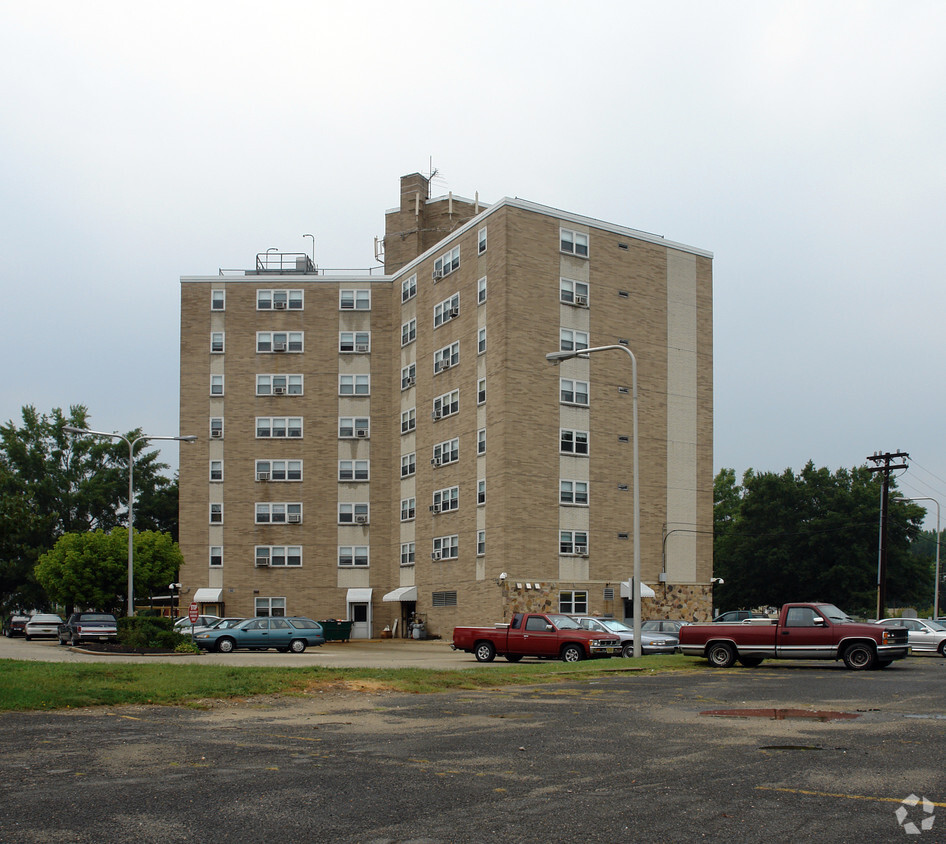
193,611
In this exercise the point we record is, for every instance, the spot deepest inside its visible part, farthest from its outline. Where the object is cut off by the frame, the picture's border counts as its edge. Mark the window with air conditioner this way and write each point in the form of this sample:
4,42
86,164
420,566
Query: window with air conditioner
447,546
573,292
446,405
278,471
447,452
279,385
353,513
279,300
216,427
447,263
353,427
446,500
272,512
354,341
446,357
280,341
573,542
408,376
446,310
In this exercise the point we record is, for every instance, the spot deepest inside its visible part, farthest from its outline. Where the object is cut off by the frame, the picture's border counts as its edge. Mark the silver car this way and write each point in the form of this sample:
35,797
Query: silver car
42,625
661,643
923,635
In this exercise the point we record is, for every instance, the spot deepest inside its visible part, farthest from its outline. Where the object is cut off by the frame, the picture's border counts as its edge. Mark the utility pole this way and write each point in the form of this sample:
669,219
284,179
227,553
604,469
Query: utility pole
884,464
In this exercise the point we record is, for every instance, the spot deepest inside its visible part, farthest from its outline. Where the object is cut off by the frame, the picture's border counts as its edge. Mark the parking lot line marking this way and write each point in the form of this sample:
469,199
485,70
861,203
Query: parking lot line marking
832,794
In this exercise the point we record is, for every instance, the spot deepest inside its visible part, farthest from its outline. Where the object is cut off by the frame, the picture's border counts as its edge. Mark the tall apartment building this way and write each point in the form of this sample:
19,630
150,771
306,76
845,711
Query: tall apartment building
390,446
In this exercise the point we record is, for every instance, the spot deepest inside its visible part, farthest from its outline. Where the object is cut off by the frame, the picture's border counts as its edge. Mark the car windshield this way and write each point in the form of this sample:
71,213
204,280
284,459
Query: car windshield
46,619
96,616
563,622
303,623
617,626
935,625
832,613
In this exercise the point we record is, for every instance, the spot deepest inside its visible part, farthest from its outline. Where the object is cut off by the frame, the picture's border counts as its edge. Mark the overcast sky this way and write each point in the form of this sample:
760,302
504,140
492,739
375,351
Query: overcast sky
803,143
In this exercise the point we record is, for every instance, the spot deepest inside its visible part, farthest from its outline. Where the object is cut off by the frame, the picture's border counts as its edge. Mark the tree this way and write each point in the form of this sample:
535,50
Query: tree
812,536
91,569
54,483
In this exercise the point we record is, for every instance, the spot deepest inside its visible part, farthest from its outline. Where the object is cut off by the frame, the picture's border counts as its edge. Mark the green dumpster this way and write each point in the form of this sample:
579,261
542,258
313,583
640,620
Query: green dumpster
336,630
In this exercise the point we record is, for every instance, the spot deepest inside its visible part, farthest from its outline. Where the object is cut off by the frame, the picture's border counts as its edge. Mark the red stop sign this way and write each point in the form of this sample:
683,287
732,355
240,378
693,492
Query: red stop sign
193,611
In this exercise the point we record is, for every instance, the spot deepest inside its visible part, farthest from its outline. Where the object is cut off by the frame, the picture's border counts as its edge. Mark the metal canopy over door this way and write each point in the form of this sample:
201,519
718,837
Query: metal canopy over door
359,611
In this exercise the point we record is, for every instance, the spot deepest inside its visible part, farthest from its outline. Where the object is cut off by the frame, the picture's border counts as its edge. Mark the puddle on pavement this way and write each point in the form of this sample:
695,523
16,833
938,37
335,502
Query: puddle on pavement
783,714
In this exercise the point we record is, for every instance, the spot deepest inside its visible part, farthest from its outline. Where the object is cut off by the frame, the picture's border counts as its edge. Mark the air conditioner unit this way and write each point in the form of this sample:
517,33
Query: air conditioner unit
262,476
262,562
361,432
435,461
294,518
216,434
435,555
279,347
410,381
279,391
436,415
436,275
581,300
361,347
361,520
434,508
581,550
445,364
279,306
454,312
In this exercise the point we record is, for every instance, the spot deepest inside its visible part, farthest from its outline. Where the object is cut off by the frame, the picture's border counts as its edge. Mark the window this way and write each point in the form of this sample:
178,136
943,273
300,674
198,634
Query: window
446,500
276,513
446,452
216,342
352,555
573,492
480,543
573,603
573,341
407,553
278,385
353,470
481,492
573,292
446,405
278,555
354,385
216,385
409,332
573,542
218,300
573,442
408,421
446,357
279,470
408,509
446,547
216,514
481,441
444,599
274,607
408,464
216,556
448,309
481,241
481,341
278,300
354,341
409,288
279,341
353,427
447,263
278,427
408,376
354,300
353,514
216,470
574,392
216,427
574,243
800,617
481,291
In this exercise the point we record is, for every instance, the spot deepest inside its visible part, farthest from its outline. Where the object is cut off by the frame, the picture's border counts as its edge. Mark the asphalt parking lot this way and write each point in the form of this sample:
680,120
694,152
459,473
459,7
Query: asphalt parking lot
628,757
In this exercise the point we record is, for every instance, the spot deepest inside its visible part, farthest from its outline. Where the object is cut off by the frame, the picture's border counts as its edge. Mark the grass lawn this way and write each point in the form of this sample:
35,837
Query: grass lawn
52,685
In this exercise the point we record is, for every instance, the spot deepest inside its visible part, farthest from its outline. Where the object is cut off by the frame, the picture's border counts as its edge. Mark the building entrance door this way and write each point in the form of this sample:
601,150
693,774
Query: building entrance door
360,614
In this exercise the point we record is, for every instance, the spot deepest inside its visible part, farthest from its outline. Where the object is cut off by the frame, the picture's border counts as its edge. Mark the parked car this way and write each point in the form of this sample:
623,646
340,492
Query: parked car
225,623
183,625
88,627
293,634
666,625
923,635
42,625
15,625
737,615
659,643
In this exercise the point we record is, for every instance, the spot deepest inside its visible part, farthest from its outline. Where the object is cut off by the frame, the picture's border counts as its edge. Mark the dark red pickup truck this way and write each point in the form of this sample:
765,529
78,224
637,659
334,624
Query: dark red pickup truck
802,631
543,635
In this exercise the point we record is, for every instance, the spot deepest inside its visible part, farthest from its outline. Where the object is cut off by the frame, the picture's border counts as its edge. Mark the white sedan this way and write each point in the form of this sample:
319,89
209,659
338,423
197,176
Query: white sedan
42,624
923,635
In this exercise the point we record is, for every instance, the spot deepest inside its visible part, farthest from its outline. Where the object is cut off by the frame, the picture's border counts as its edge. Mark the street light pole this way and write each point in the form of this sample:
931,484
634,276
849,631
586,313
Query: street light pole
555,357
936,584
130,610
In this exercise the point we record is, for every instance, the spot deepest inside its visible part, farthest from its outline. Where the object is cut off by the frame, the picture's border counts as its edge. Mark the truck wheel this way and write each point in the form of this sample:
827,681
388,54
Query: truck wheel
750,661
513,657
859,657
572,653
484,652
721,655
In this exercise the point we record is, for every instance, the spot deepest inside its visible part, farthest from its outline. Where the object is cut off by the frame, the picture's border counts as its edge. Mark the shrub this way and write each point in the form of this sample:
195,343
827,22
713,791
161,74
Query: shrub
148,631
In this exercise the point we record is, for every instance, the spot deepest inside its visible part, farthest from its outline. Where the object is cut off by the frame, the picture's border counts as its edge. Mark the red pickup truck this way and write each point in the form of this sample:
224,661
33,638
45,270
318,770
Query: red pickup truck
802,631
543,635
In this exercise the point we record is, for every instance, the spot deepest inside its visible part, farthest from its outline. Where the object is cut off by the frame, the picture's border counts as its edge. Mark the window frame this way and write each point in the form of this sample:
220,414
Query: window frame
408,332
449,447
218,294
574,450
452,544
569,242
447,404
357,297
573,605
571,492
287,423
409,288
289,295
360,343
360,384
291,383
355,427
447,306
446,357
355,467
574,391
408,464
354,555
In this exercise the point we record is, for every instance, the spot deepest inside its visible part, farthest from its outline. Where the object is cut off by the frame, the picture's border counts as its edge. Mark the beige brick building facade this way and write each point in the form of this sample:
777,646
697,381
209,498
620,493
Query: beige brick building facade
384,447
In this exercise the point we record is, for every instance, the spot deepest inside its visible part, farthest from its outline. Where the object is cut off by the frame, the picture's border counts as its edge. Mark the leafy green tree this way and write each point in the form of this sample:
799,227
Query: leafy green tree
91,569
812,536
